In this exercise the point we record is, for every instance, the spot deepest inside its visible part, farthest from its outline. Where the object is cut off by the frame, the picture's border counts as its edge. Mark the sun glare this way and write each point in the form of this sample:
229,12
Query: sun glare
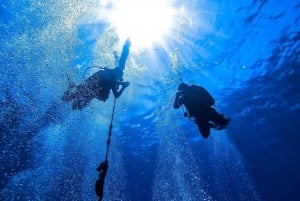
144,21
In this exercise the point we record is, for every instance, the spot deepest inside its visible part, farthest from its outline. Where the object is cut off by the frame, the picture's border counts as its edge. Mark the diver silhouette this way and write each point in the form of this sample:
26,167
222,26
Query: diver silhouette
102,169
199,105
99,84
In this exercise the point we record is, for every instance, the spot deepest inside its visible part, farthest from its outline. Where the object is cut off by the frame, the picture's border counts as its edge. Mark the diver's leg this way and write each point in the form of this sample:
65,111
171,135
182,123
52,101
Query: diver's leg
217,118
69,93
203,126
82,97
80,102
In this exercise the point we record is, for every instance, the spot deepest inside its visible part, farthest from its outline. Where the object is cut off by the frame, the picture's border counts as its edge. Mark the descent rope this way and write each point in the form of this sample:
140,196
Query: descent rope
103,167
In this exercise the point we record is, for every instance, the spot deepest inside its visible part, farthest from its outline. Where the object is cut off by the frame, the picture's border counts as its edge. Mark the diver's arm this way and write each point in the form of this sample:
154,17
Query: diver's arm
115,91
178,100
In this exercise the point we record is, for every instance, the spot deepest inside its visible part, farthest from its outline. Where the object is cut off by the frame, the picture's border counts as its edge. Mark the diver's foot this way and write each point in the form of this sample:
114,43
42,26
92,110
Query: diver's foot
219,126
211,125
227,120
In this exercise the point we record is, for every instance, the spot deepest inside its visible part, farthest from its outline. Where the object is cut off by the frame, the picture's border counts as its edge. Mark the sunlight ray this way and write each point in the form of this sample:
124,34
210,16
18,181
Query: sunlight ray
145,22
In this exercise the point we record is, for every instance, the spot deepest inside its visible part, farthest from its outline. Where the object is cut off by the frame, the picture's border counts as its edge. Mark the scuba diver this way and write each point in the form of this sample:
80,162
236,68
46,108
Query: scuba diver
99,185
199,105
99,84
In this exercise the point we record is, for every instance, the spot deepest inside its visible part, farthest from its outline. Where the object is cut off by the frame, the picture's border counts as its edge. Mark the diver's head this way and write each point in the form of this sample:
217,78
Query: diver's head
182,86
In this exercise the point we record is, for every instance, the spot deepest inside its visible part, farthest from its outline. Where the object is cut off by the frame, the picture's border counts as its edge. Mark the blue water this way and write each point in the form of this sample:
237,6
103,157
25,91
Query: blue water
246,53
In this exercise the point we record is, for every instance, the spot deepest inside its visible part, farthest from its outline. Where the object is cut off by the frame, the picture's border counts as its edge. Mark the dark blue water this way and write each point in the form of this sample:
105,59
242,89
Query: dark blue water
246,53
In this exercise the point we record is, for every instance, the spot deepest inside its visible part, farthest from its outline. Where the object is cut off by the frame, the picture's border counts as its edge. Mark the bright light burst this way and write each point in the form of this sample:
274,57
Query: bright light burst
144,21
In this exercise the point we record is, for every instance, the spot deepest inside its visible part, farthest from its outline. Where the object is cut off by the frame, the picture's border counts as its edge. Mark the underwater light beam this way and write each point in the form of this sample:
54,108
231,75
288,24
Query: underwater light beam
144,21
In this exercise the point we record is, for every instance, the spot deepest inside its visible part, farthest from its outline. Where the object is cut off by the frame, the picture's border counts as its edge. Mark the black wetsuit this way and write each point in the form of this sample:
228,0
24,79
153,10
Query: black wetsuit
198,103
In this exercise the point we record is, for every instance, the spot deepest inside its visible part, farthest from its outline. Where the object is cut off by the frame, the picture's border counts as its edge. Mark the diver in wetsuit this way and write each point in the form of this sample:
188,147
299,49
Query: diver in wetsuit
99,185
199,104
99,84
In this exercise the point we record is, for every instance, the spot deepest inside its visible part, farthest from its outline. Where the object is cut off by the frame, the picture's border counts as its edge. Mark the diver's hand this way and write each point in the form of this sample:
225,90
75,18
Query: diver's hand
178,100
125,84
